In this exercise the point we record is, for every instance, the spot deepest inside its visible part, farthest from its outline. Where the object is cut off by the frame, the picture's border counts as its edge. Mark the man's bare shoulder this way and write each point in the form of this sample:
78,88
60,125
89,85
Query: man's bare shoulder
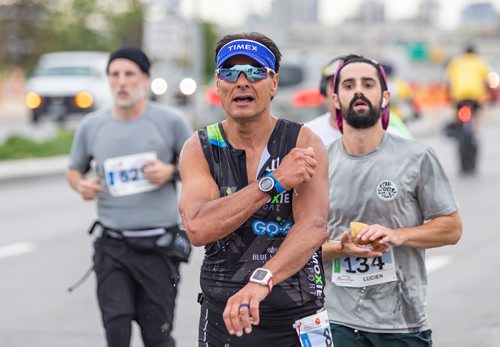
192,143
192,150
308,138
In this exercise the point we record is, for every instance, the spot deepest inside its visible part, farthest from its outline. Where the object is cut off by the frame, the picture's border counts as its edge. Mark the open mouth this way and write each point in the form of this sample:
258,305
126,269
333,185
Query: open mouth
360,102
243,98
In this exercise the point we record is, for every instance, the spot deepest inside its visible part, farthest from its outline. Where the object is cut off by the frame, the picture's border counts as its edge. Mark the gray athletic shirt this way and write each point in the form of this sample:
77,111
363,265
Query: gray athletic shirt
100,136
400,184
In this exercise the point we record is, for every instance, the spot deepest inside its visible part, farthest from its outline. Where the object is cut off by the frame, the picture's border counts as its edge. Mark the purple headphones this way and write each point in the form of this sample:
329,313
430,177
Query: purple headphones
385,107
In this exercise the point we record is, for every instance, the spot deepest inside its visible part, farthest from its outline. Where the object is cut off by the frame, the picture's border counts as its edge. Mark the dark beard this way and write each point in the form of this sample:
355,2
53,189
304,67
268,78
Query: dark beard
361,120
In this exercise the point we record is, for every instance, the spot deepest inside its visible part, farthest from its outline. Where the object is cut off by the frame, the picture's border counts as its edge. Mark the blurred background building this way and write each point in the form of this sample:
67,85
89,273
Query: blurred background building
181,42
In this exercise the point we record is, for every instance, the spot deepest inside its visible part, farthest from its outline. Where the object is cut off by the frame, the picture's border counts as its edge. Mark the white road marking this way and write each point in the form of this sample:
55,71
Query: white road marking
437,262
16,249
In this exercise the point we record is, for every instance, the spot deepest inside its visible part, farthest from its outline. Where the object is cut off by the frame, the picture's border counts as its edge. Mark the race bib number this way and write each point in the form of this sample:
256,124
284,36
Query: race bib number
314,330
125,175
363,272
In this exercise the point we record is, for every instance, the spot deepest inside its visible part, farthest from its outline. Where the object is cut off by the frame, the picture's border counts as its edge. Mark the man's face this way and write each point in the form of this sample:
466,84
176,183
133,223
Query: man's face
359,95
243,98
128,83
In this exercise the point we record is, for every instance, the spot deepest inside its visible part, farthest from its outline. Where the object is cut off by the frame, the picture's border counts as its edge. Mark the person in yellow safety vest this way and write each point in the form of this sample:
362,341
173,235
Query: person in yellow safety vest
467,76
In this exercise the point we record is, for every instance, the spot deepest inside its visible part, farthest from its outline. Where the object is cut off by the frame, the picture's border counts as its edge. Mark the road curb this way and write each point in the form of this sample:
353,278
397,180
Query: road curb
26,168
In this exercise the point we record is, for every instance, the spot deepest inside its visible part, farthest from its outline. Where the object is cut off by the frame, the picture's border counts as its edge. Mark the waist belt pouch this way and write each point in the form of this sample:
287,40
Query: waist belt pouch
176,244
142,244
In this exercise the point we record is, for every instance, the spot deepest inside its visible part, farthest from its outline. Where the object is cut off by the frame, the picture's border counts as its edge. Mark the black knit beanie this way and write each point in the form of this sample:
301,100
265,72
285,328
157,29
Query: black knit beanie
132,53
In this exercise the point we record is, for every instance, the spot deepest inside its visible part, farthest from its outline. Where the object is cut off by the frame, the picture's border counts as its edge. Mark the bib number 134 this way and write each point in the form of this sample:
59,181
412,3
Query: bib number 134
362,272
363,264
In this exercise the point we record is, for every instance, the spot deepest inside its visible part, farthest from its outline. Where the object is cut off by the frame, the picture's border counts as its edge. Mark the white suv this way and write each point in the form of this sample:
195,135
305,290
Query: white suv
65,83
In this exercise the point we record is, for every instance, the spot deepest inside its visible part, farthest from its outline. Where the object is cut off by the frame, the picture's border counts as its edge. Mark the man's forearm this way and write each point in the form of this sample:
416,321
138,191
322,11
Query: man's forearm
73,177
297,248
440,231
215,219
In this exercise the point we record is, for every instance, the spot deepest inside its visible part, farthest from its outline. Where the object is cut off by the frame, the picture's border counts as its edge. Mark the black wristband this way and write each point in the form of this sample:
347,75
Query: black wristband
176,175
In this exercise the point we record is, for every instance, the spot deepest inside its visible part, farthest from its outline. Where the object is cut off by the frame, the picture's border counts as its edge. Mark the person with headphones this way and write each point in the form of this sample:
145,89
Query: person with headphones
398,193
325,125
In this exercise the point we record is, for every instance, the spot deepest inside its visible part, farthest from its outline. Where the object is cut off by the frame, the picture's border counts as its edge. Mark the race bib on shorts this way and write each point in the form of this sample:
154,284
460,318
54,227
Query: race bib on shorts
363,272
125,175
314,330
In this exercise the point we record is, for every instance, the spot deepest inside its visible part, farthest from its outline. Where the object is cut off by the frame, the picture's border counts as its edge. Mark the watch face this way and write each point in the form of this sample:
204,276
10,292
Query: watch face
266,184
259,274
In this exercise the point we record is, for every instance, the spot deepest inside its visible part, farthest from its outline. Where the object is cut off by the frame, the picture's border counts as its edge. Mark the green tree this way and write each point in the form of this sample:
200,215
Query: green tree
29,28
19,23
73,25
93,25
126,26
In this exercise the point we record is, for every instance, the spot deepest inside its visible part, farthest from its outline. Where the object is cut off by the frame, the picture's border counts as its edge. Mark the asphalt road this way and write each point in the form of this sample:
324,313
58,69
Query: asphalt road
44,248
463,303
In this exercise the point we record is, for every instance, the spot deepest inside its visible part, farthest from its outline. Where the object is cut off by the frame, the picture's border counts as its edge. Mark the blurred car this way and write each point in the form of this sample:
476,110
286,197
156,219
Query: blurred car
298,96
65,83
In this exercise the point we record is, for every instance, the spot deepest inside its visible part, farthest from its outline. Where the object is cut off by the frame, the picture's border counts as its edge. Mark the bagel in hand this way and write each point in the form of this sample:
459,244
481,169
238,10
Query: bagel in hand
356,227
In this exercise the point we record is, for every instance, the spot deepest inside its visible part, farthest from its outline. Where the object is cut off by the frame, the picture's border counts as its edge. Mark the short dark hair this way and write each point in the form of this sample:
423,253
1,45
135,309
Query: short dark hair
254,36
354,58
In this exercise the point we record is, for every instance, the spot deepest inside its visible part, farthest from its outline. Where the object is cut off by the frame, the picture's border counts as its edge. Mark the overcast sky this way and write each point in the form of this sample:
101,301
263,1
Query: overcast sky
234,12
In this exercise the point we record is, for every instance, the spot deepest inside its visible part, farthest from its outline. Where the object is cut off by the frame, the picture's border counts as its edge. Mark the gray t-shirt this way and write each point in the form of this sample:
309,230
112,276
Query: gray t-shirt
400,184
100,136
